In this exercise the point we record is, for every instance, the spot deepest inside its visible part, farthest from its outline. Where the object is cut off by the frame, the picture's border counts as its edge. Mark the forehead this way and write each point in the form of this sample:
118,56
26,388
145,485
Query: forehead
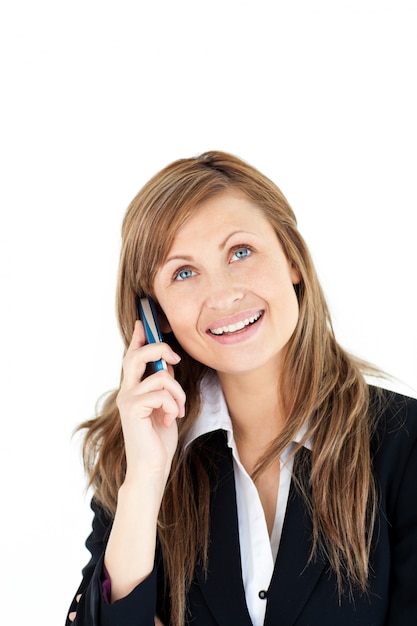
225,211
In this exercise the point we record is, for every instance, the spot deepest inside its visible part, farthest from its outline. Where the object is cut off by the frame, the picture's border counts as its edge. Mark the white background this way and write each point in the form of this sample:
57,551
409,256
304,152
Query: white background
98,96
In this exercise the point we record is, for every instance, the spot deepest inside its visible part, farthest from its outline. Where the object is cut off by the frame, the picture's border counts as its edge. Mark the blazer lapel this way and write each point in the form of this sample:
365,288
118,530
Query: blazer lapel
293,581
223,588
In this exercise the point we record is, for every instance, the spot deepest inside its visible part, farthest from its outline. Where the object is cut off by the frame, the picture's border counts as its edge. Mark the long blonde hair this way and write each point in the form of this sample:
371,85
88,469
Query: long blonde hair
323,386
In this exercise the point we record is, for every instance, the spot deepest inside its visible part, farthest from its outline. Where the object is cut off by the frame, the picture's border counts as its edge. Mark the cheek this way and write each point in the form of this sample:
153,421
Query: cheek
293,310
286,303
180,319
184,323
190,341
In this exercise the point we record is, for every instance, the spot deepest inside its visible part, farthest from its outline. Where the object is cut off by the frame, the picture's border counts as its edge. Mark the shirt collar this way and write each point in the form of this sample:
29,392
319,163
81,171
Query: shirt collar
214,414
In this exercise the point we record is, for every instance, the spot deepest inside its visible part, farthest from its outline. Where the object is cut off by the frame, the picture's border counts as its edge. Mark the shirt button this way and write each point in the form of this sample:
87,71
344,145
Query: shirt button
262,594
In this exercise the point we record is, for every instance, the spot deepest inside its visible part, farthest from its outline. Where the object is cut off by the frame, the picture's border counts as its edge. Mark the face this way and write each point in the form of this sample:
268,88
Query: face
227,288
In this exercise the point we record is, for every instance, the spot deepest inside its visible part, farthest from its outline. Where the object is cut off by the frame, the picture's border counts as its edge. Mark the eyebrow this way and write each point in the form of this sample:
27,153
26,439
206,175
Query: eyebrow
222,245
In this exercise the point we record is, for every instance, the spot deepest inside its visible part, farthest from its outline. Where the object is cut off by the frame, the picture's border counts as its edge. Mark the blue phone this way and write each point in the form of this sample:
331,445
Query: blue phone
147,314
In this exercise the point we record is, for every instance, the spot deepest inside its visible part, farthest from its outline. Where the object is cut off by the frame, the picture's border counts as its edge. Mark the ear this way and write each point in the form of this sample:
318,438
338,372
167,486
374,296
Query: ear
295,274
163,322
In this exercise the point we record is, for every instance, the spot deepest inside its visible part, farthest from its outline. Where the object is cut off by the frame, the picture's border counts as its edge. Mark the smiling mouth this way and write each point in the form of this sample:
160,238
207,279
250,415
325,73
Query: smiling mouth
237,327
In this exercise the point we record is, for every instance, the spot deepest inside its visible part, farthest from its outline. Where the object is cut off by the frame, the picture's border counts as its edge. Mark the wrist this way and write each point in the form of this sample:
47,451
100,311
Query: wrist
144,492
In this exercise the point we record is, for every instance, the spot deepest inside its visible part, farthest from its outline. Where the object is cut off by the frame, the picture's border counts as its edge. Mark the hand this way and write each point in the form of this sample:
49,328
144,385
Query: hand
73,614
149,408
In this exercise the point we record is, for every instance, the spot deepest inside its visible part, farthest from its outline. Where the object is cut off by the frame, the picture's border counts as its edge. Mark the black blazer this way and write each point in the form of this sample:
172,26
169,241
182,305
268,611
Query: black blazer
300,594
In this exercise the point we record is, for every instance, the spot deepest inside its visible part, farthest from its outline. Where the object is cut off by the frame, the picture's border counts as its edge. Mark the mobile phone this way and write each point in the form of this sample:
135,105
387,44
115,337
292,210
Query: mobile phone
147,314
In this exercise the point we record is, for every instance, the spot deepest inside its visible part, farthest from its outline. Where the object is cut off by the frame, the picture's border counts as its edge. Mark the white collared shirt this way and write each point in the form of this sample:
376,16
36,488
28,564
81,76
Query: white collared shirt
258,550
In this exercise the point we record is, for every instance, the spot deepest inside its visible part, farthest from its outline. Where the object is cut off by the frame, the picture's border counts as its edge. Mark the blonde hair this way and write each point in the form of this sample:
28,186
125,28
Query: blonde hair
322,386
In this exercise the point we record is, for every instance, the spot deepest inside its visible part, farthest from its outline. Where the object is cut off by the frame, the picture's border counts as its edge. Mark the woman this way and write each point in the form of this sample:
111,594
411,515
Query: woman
259,480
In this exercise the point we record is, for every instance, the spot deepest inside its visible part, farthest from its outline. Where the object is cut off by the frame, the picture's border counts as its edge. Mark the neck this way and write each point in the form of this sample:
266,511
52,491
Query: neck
255,407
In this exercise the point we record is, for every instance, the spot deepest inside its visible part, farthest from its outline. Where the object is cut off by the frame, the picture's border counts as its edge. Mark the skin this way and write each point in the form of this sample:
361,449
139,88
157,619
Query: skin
226,271
226,266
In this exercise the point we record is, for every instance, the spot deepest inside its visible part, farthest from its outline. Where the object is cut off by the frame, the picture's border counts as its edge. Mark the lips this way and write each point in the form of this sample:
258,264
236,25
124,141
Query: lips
236,326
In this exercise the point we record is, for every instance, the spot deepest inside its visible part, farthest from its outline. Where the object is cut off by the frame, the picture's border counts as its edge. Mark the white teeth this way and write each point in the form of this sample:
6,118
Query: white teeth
238,326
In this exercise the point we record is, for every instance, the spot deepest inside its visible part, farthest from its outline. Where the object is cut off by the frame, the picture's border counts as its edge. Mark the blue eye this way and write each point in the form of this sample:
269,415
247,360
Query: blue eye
241,253
183,274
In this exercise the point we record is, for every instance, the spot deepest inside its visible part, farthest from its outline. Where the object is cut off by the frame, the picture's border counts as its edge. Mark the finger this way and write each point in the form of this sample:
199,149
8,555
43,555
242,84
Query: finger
138,355
145,397
138,336
137,342
142,407
160,381
73,614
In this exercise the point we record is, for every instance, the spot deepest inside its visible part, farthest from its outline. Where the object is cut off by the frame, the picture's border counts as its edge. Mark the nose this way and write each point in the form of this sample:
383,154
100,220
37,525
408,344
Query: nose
223,292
